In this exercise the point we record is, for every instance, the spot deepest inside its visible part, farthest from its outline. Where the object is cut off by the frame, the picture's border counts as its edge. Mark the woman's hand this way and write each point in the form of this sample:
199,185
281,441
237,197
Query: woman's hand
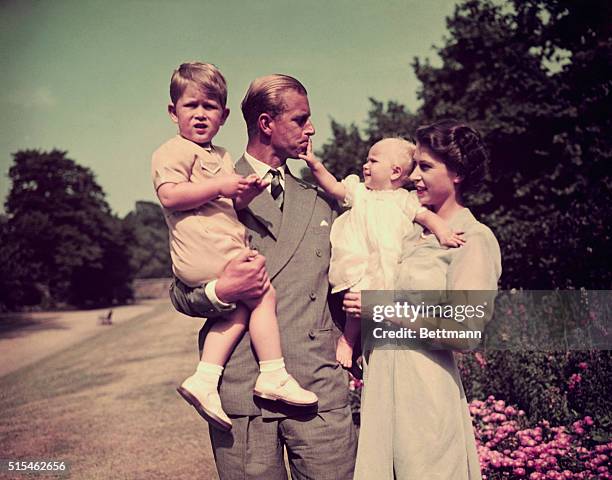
352,304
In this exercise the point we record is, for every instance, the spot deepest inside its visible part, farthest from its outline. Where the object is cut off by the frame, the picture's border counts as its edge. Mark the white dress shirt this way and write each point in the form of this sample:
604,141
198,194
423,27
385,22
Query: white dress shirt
261,169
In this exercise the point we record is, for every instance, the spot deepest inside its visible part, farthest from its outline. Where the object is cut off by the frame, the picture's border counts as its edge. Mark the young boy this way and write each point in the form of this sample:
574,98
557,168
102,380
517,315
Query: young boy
196,184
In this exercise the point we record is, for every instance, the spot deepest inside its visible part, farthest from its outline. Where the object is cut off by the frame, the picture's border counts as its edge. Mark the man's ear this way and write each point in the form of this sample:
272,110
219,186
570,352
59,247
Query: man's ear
264,122
172,112
226,112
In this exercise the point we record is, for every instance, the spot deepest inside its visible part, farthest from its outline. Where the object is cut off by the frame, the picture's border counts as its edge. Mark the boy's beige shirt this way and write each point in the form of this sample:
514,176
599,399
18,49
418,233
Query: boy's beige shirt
204,239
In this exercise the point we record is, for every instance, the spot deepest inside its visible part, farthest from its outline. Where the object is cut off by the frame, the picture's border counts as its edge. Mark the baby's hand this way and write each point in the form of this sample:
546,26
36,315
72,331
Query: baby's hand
309,157
233,185
451,239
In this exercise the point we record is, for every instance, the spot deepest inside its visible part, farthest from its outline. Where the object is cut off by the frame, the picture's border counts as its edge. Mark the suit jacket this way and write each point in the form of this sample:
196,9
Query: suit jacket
296,245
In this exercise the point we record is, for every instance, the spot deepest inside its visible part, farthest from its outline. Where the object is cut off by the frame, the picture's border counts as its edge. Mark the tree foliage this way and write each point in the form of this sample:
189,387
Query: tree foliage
61,243
535,78
149,253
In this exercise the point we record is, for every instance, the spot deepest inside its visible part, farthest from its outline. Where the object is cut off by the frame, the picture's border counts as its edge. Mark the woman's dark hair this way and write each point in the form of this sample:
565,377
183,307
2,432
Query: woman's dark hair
461,149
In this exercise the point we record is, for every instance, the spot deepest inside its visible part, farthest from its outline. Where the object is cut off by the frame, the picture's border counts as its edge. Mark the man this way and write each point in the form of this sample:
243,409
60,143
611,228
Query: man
289,224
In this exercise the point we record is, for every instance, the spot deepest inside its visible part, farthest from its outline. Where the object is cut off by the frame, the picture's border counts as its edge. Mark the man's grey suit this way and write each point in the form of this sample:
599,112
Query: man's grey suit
296,245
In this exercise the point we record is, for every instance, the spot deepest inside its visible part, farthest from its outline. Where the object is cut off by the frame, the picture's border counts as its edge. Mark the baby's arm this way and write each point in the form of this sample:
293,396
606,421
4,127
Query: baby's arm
440,229
325,179
187,195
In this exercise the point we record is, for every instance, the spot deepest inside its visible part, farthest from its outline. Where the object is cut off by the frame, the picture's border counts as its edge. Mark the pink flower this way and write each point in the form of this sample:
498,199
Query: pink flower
574,380
480,359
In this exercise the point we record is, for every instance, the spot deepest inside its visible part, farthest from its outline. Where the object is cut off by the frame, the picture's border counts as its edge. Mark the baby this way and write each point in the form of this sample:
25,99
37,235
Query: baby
198,189
366,240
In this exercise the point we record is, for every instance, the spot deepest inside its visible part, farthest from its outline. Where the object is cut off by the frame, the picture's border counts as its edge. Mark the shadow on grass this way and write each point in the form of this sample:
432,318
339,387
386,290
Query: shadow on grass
154,356
59,383
159,392
19,324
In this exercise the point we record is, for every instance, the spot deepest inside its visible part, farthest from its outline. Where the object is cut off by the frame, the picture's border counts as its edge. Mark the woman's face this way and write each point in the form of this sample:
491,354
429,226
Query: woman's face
435,183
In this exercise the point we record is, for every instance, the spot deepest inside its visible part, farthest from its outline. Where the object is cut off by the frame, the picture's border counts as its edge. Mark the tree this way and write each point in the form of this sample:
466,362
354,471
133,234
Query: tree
346,152
149,251
534,77
61,243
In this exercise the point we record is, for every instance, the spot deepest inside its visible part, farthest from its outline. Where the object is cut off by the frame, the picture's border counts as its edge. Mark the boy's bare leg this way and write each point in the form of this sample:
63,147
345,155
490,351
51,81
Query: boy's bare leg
200,389
263,327
346,342
224,335
273,382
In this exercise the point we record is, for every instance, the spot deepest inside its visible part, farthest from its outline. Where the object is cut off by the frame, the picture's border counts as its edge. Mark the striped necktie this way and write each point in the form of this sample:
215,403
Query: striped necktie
276,188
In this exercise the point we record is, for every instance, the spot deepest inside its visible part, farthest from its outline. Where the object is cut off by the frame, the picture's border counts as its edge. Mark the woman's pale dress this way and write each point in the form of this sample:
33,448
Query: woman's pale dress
367,239
415,419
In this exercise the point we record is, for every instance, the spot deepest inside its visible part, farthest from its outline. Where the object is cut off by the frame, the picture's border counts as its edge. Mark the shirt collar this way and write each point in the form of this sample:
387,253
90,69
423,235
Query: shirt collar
209,148
262,168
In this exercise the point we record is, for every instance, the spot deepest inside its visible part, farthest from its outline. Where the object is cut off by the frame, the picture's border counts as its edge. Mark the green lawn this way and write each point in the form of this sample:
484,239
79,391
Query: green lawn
108,405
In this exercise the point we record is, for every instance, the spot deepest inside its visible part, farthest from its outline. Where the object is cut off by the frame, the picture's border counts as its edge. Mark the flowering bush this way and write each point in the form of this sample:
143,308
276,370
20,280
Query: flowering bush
571,391
561,387
509,449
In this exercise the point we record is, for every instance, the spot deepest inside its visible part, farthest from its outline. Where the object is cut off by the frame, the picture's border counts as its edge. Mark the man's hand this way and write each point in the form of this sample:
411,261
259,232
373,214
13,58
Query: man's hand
255,186
352,304
244,278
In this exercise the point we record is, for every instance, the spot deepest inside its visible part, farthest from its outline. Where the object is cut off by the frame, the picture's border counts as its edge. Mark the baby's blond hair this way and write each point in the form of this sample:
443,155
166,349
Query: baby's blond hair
403,155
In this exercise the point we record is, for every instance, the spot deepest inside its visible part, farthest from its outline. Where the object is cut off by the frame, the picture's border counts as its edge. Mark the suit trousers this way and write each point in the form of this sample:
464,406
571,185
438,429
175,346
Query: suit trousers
320,446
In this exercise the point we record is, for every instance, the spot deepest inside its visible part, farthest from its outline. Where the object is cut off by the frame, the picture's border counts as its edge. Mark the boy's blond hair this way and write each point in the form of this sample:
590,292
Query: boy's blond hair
205,76
265,95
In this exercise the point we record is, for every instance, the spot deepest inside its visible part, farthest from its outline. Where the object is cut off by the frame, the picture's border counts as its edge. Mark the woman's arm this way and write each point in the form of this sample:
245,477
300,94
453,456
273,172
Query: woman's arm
325,179
471,281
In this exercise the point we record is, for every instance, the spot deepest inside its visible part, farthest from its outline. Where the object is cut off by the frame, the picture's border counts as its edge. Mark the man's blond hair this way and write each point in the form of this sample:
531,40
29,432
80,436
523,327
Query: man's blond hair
205,76
265,95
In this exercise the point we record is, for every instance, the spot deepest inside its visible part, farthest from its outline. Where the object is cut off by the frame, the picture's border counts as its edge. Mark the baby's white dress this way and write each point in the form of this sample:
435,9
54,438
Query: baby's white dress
367,239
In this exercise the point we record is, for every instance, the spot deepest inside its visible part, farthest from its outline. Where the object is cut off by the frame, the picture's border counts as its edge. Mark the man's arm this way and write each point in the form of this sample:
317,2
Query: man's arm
244,278
192,301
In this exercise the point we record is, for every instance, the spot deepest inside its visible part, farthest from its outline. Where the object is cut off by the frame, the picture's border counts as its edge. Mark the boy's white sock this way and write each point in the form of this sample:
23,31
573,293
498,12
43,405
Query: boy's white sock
273,370
209,373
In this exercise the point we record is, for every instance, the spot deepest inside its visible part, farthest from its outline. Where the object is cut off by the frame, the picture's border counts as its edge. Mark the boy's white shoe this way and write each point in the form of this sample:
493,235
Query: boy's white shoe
287,390
203,396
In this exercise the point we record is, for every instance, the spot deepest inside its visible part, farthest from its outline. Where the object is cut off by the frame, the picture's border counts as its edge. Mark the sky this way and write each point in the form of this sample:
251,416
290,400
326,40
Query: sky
92,77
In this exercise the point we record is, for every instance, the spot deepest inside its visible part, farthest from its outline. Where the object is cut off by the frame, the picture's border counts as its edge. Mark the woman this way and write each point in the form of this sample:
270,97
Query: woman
415,420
